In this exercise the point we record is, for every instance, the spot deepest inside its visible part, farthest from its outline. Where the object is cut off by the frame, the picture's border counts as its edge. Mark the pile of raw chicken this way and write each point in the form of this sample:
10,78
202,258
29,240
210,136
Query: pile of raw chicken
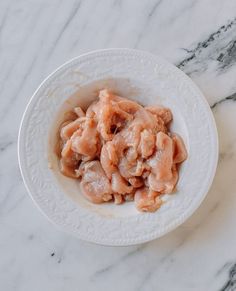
121,151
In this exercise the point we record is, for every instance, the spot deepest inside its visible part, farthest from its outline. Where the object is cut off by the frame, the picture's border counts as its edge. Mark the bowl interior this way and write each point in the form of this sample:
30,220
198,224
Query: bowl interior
83,97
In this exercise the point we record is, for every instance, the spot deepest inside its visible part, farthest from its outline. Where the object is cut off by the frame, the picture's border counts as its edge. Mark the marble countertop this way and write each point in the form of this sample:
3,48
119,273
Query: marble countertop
36,36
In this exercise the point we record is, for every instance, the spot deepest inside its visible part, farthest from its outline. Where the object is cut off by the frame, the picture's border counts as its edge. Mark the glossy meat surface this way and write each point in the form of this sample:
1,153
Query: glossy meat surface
122,151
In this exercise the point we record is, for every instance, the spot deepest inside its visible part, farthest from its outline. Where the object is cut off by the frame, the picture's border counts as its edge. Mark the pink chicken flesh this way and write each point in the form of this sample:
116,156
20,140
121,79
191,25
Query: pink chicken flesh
122,151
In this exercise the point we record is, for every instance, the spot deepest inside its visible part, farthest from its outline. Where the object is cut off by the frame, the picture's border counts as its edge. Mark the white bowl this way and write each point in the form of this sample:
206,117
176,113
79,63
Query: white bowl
140,76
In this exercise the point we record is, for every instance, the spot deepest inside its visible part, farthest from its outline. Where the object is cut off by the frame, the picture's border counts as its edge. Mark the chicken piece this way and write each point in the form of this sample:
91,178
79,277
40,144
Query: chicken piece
130,169
94,183
164,187
147,144
80,170
109,159
119,184
87,143
68,130
131,133
118,199
146,172
79,111
64,124
128,106
129,197
137,169
131,154
126,143
146,120
70,116
162,112
106,96
119,144
160,126
112,152
67,170
161,162
136,182
147,200
123,167
112,119
68,155
171,185
127,140
179,152
92,110
69,161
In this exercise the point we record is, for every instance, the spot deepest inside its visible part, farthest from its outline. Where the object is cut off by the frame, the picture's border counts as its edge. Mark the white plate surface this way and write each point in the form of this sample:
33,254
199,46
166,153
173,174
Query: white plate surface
139,76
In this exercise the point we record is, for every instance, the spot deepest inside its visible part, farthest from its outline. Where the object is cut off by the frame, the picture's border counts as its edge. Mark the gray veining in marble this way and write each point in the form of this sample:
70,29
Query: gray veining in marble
36,36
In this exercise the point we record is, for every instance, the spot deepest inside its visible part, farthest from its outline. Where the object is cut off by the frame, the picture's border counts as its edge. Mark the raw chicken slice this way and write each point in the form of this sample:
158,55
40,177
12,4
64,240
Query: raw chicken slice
111,151
180,152
87,143
123,167
64,124
146,172
69,129
149,121
119,144
129,197
109,159
69,156
112,119
128,106
136,182
164,187
161,162
145,119
131,154
92,110
137,169
119,184
105,96
147,200
130,169
162,112
95,184
79,112
118,199
131,134
69,161
70,116
147,144
67,170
